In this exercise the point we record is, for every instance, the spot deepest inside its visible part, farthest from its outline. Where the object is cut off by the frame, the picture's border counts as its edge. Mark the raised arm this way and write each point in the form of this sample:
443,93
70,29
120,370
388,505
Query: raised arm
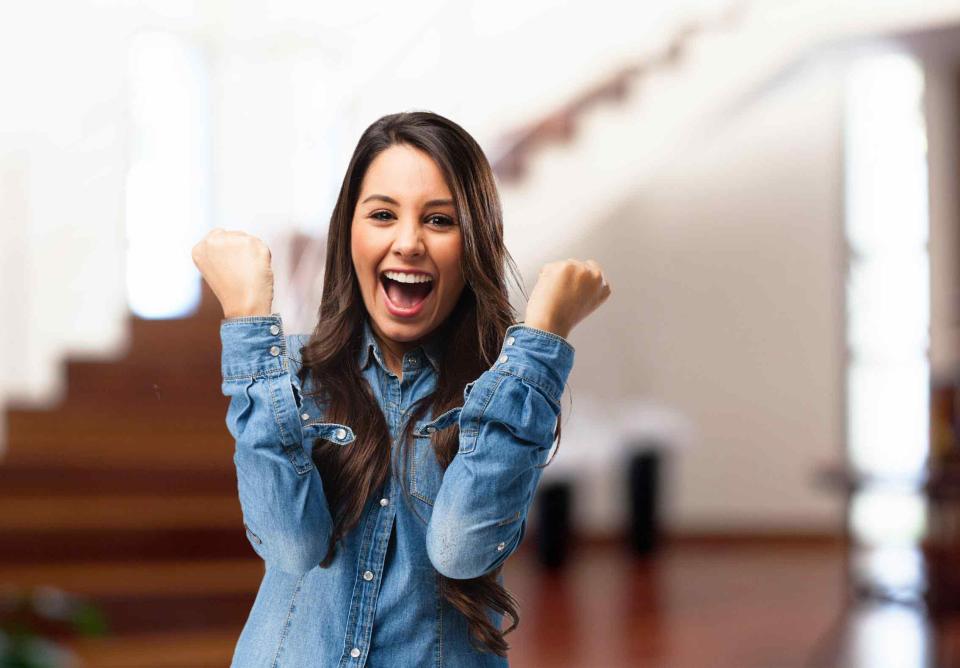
507,427
285,512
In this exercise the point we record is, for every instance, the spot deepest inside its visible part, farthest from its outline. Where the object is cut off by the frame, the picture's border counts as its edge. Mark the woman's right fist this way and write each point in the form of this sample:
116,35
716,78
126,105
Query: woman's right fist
236,266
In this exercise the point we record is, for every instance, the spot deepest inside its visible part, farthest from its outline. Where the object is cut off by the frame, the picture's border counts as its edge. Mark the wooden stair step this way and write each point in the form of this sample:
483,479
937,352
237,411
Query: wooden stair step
106,419
190,649
161,375
181,577
156,453
142,545
176,403
159,437
119,512
57,480
150,450
139,614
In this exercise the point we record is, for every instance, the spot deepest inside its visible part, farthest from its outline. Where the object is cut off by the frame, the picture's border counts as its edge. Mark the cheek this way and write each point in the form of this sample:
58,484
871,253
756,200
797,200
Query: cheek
450,261
361,251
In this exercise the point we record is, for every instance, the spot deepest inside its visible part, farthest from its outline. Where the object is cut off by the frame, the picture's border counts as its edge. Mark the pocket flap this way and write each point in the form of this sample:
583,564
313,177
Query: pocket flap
442,421
331,431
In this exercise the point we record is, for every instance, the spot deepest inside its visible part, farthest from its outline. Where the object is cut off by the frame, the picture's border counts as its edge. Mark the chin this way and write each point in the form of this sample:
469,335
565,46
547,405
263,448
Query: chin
401,331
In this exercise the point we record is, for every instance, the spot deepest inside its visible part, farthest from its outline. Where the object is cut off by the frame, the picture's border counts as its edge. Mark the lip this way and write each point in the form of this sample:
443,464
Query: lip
399,311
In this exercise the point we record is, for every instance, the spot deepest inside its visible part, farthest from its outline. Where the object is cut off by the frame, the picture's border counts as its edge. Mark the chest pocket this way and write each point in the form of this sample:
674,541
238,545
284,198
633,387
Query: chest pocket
425,472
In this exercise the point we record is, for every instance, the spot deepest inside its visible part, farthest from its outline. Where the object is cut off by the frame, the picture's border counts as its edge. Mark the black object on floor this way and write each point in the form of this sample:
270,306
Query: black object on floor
643,477
553,537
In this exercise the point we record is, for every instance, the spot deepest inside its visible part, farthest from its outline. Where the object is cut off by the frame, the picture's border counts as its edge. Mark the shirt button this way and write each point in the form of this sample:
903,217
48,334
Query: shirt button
503,358
384,502
510,341
341,433
306,416
274,350
368,575
355,652
501,546
413,361
274,330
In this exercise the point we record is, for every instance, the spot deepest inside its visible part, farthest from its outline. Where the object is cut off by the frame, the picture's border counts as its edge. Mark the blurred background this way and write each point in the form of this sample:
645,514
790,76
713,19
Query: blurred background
758,464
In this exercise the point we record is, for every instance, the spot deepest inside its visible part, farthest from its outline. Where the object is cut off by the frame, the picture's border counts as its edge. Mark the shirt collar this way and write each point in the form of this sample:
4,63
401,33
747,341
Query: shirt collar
371,349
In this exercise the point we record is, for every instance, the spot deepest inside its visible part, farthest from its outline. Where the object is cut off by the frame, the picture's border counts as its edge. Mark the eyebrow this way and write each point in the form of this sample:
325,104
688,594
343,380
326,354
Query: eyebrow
390,200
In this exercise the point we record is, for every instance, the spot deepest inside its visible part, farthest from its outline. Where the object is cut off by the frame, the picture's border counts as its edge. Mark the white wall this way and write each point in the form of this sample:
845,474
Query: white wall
727,271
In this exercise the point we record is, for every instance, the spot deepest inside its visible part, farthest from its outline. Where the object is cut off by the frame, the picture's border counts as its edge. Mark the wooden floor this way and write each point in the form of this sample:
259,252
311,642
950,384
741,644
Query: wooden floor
694,604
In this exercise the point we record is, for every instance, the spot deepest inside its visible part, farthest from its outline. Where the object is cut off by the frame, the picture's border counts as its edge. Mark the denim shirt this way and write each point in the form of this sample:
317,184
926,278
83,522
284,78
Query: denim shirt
379,604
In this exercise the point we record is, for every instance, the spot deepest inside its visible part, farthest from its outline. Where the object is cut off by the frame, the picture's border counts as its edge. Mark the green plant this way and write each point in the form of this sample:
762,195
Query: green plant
34,624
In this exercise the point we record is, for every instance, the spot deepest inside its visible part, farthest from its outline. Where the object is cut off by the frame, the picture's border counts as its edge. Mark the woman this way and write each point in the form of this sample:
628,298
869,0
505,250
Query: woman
386,463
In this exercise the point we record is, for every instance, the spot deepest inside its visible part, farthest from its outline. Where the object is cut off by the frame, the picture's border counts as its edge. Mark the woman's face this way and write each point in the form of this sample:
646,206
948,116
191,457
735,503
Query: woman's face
405,222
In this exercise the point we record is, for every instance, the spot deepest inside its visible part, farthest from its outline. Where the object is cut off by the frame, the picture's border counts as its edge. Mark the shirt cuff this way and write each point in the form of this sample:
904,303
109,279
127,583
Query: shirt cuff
541,358
252,346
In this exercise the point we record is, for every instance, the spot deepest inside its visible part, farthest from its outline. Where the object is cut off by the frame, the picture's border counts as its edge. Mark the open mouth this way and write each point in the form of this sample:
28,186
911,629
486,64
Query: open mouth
406,291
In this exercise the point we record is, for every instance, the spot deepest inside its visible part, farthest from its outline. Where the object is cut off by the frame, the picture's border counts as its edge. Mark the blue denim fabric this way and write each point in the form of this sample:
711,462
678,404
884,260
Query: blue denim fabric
379,604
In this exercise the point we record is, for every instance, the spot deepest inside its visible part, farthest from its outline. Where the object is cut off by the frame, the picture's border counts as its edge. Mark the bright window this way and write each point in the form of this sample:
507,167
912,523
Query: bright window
168,177
888,292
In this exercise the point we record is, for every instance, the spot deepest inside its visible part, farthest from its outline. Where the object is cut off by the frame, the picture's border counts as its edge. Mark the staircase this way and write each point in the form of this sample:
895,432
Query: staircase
579,162
126,495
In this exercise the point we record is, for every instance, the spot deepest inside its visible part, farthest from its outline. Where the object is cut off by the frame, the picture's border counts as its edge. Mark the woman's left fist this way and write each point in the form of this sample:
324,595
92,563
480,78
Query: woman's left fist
567,291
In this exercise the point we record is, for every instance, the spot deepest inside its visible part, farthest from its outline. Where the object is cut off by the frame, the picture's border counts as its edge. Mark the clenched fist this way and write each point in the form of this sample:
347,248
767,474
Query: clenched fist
567,291
236,266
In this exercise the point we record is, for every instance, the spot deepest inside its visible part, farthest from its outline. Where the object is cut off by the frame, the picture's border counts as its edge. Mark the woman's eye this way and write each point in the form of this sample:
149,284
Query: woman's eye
443,221
377,214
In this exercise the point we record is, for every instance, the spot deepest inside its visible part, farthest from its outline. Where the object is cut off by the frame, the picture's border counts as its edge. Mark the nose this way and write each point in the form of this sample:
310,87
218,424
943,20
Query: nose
409,239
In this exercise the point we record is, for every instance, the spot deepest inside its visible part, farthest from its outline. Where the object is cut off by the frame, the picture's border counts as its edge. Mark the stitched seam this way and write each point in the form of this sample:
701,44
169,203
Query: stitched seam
439,621
549,393
510,520
356,596
373,594
483,412
282,357
276,416
543,333
413,470
289,450
259,373
414,489
240,319
286,626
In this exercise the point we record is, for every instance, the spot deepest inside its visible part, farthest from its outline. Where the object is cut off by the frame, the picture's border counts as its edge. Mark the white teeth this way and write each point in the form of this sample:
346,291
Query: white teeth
407,278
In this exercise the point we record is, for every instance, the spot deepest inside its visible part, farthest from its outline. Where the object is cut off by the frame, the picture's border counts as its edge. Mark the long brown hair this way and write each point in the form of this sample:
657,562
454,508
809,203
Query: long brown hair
469,339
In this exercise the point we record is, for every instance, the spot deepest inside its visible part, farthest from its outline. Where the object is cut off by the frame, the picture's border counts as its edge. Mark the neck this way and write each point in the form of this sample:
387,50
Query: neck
392,351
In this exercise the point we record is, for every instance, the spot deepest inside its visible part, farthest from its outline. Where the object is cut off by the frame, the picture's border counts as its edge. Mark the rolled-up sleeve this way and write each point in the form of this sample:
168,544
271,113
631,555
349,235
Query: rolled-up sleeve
507,428
285,513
